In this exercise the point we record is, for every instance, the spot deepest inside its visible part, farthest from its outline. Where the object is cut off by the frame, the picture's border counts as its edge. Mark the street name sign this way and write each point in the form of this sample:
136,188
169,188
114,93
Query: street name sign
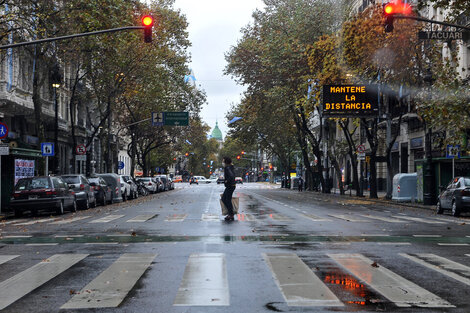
4,149
350,100
3,131
443,35
47,148
176,118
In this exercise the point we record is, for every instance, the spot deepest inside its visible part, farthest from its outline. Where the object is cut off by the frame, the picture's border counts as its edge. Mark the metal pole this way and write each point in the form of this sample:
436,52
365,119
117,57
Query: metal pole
56,133
0,184
46,169
453,167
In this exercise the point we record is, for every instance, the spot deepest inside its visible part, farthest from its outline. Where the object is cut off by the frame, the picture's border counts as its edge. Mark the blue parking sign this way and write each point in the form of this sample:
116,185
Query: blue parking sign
47,148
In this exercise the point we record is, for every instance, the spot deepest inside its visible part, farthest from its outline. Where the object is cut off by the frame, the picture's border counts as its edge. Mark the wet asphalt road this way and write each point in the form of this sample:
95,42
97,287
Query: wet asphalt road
287,252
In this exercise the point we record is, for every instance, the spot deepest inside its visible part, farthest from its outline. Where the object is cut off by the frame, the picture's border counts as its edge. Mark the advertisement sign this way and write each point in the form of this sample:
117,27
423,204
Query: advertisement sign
350,100
23,168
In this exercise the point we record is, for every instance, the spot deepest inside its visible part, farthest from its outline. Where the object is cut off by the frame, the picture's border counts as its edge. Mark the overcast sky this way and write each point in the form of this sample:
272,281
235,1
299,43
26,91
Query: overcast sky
214,26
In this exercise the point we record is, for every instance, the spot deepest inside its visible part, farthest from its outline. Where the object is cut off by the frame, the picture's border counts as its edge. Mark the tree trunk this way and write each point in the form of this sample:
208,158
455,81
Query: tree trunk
335,163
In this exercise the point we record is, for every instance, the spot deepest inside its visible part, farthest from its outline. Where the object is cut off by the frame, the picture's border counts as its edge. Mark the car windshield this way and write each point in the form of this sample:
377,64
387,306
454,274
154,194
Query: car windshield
467,181
35,183
71,179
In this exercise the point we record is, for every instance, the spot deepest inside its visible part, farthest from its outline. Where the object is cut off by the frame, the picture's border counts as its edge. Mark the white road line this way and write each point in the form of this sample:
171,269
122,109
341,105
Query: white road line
427,236
297,283
457,221
383,218
68,221
468,255
443,265
4,222
452,244
17,236
395,288
394,243
42,244
349,218
176,218
419,219
204,281
119,235
210,217
113,284
6,258
23,283
67,236
101,243
106,219
141,218
43,220
375,235
316,218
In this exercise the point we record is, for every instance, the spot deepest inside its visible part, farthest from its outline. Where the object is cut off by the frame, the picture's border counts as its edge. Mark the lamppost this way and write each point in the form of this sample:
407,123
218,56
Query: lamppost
428,190
55,81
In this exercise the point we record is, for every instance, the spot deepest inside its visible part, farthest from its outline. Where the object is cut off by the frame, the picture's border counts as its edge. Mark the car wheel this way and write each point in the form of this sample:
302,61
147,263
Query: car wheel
60,209
74,206
103,202
439,209
124,197
136,194
18,213
86,206
455,209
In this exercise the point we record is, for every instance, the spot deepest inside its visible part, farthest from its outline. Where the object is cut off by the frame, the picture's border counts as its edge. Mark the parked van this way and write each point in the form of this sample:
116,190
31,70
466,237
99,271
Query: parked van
114,182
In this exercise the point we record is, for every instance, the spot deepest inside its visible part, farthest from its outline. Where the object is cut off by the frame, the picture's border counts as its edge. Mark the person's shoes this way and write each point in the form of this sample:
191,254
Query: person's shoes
229,218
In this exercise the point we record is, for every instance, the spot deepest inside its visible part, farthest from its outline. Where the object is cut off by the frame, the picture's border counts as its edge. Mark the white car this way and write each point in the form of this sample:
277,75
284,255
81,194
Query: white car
202,179
125,188
149,184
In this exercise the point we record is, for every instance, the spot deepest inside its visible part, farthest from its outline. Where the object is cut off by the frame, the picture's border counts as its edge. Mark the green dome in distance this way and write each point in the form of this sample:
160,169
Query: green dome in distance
216,133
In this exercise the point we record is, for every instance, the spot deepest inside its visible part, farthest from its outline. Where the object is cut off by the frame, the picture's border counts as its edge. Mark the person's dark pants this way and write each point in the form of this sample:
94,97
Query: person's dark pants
227,199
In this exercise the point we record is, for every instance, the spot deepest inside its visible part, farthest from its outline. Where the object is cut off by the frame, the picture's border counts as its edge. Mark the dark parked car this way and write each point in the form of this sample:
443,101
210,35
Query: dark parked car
114,182
103,193
84,193
42,193
456,197
220,180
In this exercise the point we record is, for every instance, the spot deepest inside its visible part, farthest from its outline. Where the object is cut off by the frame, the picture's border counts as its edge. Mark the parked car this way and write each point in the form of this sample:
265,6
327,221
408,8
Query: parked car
456,197
114,182
84,193
42,192
165,181
159,183
150,184
202,180
103,193
193,180
142,188
131,181
171,183
238,180
125,188
220,180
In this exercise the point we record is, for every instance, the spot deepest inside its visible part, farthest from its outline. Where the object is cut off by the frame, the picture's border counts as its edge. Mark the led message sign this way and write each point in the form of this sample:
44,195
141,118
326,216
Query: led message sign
350,100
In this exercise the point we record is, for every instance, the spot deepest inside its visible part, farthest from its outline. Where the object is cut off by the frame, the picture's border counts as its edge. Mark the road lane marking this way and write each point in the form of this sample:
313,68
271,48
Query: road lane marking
315,218
427,236
6,258
113,284
443,266
418,219
279,217
297,282
394,243
176,218
204,281
451,244
383,218
23,283
68,221
67,236
17,236
141,218
210,217
348,218
106,219
101,243
42,244
4,222
245,217
402,292
468,255
43,220
375,235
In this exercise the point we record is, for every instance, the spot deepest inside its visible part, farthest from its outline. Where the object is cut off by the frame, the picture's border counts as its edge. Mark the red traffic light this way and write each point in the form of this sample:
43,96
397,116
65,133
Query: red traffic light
238,157
243,152
186,154
147,21
388,9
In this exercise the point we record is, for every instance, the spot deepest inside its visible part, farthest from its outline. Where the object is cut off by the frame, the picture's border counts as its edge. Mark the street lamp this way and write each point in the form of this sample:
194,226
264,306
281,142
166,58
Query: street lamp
55,82
428,184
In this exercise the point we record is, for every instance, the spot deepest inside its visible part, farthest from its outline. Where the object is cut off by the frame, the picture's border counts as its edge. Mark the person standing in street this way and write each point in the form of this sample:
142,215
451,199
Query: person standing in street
301,184
229,182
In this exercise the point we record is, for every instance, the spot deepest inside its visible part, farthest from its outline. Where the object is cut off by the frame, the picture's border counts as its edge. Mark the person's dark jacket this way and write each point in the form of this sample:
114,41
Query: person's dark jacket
229,175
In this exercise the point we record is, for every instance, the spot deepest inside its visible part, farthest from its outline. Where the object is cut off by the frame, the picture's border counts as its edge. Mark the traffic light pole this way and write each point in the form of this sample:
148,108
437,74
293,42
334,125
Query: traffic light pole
422,19
112,30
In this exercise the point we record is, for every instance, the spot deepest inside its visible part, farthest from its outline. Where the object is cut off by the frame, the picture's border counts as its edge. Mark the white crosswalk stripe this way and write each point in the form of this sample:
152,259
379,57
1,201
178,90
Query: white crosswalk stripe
6,258
383,218
315,218
208,217
42,220
349,218
106,219
176,218
418,219
298,284
70,220
112,286
141,218
397,289
23,283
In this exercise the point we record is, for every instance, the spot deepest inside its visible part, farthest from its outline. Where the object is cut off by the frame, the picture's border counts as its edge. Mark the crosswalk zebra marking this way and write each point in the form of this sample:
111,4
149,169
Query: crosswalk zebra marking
113,284
348,218
443,265
210,217
68,221
419,219
106,219
451,244
23,283
395,288
141,218
43,220
394,243
297,283
383,218
6,258
315,218
176,218
204,281
4,222
17,236
42,244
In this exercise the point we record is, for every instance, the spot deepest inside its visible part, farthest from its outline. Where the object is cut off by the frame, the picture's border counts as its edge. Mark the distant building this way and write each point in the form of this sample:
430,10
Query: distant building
217,134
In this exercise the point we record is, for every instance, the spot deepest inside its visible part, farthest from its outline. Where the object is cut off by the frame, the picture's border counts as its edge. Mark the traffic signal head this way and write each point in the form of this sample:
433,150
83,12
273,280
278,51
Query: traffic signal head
238,157
186,154
391,9
243,152
147,23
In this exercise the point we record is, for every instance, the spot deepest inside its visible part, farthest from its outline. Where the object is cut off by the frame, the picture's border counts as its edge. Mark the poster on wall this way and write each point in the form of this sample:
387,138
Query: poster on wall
23,168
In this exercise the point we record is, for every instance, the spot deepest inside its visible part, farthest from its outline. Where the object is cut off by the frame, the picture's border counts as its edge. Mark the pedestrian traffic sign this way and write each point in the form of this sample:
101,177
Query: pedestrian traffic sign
453,152
80,149
47,148
120,165
158,118
3,131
